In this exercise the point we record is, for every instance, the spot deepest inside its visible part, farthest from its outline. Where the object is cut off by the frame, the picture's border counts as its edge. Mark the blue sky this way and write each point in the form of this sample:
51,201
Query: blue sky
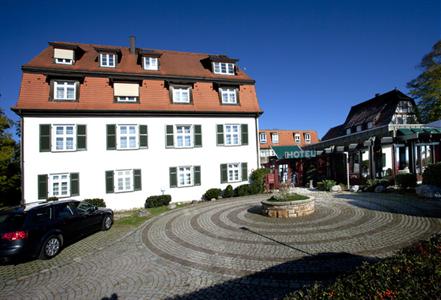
312,60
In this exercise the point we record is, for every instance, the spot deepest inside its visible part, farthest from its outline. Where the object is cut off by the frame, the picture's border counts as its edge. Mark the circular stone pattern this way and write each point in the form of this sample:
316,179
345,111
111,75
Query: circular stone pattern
288,209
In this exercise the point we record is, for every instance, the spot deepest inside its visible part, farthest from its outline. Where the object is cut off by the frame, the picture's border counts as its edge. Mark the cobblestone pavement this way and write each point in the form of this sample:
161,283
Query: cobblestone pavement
227,250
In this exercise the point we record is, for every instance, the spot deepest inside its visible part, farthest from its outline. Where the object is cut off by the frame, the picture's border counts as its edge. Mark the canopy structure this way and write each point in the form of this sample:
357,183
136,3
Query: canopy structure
289,152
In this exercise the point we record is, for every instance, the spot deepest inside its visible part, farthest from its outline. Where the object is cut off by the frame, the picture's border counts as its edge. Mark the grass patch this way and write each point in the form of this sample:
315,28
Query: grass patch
287,197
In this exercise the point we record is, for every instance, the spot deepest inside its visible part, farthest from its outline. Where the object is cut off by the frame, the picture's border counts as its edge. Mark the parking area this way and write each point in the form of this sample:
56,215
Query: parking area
226,249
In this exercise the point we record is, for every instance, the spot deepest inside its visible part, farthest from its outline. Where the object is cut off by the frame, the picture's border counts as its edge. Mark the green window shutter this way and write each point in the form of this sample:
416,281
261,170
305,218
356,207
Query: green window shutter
81,137
45,137
137,179
197,175
111,137
220,134
173,177
109,182
143,136
197,135
244,171
42,186
224,173
169,138
244,132
74,184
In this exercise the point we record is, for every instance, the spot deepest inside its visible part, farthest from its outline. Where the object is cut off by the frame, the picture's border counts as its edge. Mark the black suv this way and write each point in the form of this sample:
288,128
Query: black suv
41,229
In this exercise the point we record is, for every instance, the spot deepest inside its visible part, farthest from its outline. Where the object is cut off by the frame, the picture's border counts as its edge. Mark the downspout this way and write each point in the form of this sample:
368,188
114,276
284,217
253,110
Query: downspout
22,159
256,124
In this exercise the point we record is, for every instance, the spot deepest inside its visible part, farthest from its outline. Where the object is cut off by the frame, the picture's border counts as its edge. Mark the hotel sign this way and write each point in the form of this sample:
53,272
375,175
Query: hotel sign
301,154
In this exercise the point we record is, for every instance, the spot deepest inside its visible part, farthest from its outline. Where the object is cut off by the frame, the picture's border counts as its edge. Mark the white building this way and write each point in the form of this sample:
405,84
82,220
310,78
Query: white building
124,123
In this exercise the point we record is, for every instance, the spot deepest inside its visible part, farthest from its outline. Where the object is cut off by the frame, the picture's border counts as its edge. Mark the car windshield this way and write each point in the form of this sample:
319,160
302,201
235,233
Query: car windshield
84,208
11,221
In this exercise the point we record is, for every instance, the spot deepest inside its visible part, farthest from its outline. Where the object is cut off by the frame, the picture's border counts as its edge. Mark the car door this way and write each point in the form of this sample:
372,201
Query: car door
91,216
69,221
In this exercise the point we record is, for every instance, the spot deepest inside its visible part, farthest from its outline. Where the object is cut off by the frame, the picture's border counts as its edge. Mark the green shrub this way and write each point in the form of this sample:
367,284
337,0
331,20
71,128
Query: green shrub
432,175
242,190
212,193
53,198
371,184
98,202
257,180
228,192
325,185
156,201
287,197
406,180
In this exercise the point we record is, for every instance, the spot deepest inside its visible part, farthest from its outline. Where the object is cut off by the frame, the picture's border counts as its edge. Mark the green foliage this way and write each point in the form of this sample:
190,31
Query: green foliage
212,193
156,201
414,273
53,198
426,88
242,190
406,180
287,197
371,184
98,202
257,180
228,192
432,175
325,185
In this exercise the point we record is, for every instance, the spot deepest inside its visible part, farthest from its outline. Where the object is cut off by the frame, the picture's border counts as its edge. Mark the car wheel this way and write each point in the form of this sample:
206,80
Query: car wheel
107,223
51,247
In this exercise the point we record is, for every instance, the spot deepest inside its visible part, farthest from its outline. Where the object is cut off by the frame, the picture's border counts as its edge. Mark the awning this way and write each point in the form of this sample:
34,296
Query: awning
412,131
290,152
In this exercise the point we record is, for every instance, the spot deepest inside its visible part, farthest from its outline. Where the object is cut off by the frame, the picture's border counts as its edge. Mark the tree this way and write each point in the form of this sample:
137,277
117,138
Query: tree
426,88
10,188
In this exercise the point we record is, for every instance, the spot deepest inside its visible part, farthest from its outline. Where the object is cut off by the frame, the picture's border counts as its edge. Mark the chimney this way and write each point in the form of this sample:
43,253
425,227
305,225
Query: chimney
132,44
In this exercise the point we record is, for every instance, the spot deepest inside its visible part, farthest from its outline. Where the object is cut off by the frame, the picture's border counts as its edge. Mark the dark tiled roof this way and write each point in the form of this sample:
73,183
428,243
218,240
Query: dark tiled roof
334,132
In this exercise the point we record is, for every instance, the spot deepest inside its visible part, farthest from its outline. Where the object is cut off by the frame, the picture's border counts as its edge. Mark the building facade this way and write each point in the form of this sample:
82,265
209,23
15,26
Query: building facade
124,123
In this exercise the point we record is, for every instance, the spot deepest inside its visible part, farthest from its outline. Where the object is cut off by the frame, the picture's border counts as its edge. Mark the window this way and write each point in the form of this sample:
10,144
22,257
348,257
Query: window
359,128
232,134
64,56
65,90
275,138
184,136
126,99
123,181
59,185
223,68
185,176
228,95
181,94
63,61
348,131
107,60
370,125
127,137
307,138
126,92
63,138
234,172
262,137
150,63
297,138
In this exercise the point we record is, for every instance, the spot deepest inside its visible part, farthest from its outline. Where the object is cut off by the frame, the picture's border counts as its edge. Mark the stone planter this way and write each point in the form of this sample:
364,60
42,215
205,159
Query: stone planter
288,209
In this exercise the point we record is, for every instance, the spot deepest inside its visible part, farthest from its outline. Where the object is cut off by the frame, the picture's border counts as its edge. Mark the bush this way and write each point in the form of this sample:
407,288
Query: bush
228,192
325,185
212,193
98,202
53,198
242,190
287,197
406,180
371,184
432,175
257,180
156,201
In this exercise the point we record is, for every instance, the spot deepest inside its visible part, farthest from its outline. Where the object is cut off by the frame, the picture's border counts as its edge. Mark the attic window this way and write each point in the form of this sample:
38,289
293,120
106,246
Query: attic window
307,138
223,68
126,92
348,131
64,56
150,63
370,125
108,60
297,138
359,128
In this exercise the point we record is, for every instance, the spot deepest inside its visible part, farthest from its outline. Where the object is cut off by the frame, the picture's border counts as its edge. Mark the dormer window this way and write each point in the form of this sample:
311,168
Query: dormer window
297,138
64,56
307,138
150,63
370,125
275,138
262,137
228,95
126,92
223,68
348,131
359,128
181,94
108,60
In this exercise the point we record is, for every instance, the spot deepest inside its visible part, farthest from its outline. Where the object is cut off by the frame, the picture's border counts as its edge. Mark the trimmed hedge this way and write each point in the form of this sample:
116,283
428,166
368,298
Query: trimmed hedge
432,175
212,193
257,180
156,201
98,202
406,180
242,190
228,192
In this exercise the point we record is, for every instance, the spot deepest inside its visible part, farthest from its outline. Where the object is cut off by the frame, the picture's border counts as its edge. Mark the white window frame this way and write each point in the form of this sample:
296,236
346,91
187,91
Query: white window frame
223,68
57,178
297,138
274,140
229,135
64,61
128,136
150,63
64,137
105,60
178,92
307,138
126,99
126,177
65,85
228,95
234,169
262,140
183,135
186,172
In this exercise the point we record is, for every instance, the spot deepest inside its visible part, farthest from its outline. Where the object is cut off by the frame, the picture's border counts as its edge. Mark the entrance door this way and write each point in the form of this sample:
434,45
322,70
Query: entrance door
283,173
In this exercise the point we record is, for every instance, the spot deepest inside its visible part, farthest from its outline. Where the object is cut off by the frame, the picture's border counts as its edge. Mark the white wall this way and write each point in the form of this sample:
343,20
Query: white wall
154,161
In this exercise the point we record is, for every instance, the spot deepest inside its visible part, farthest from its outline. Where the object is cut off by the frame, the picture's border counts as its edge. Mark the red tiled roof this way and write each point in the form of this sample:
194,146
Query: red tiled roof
286,137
